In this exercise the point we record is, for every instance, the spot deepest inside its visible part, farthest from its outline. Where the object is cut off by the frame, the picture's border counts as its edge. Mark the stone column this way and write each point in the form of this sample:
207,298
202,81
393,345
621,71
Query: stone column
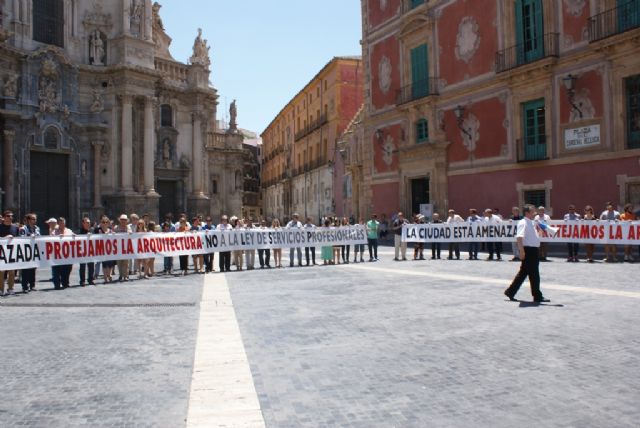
197,151
7,178
127,144
97,197
126,16
148,20
149,145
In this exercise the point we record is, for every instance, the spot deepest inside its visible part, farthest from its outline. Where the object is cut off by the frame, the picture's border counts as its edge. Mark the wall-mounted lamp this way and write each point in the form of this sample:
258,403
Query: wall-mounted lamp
569,82
459,112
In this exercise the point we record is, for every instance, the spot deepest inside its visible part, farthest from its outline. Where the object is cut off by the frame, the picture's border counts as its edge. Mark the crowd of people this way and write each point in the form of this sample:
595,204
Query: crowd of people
376,229
495,249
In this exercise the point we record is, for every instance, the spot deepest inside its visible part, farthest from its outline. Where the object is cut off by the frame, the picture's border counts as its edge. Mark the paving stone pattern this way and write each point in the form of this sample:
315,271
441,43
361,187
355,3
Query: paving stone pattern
117,365
349,346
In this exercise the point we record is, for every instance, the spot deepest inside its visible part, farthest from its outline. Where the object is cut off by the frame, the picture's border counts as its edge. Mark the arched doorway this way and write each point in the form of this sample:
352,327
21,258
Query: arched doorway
49,186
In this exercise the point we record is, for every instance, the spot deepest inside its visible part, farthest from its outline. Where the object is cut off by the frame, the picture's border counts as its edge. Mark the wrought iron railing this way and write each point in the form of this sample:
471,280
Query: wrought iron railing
533,50
417,90
614,21
532,149
321,120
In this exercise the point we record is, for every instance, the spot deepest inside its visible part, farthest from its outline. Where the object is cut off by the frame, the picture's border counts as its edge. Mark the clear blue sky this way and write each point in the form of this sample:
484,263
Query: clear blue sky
263,52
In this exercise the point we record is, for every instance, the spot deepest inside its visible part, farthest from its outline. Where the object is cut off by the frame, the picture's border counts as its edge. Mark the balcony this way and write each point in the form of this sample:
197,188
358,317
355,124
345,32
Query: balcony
614,21
417,90
532,149
528,52
409,5
320,121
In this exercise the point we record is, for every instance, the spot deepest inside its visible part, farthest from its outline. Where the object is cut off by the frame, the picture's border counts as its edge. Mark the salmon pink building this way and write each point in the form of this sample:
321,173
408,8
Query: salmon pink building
496,103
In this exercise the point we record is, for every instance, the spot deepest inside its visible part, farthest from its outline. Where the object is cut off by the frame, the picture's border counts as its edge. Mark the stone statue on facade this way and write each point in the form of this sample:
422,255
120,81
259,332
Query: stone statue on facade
135,17
97,106
96,48
157,21
233,114
49,99
11,86
166,153
200,51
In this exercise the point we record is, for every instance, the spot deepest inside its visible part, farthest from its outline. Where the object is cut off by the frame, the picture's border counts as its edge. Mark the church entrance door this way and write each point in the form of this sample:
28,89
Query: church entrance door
50,187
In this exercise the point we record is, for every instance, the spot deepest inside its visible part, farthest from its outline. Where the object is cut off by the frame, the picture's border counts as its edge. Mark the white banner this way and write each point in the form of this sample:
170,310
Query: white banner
582,232
23,253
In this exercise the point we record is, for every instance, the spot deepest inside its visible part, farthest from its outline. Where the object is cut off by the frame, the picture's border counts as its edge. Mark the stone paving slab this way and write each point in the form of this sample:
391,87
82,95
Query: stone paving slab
116,365
354,346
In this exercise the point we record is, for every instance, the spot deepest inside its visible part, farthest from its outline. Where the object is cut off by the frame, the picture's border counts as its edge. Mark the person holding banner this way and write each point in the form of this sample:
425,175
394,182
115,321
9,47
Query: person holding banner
628,215
572,247
224,259
544,218
399,246
249,255
310,226
418,248
149,266
345,249
28,276
515,217
492,247
208,257
610,250
264,254
198,259
277,252
528,246
183,258
358,248
435,246
237,254
372,237
327,250
109,265
8,230
123,226
295,223
454,247
590,217
473,245
86,269
62,272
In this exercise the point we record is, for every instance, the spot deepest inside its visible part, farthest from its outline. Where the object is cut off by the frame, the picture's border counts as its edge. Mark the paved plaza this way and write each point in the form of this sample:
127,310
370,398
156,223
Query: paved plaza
386,344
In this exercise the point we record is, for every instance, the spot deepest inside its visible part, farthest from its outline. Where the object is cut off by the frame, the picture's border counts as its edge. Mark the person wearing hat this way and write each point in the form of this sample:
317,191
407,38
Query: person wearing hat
123,265
7,230
295,224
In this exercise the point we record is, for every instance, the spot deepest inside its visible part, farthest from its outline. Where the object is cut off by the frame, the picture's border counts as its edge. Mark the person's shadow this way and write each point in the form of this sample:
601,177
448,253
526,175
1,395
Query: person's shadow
526,304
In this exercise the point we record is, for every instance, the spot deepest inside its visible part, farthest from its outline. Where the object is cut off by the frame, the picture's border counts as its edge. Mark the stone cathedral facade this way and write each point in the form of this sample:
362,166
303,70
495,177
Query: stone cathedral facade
97,117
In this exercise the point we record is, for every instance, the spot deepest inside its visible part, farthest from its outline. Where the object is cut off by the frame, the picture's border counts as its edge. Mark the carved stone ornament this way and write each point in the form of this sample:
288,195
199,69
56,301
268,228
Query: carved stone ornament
387,150
136,16
575,7
10,86
97,105
96,48
583,102
48,91
384,74
97,18
105,151
472,125
467,40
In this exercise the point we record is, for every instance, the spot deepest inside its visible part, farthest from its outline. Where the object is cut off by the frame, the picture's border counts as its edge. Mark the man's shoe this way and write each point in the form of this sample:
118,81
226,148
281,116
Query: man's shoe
510,296
395,259
541,300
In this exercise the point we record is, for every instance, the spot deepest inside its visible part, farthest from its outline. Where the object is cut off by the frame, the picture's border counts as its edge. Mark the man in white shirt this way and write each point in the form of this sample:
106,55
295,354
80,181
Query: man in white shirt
295,223
224,258
310,226
493,247
528,246
454,247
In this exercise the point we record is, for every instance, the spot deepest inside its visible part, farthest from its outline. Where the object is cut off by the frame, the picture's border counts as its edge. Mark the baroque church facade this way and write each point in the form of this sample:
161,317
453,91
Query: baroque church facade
98,117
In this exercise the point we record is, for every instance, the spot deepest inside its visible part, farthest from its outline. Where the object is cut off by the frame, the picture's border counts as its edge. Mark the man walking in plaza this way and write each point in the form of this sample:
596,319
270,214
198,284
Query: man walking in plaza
400,247
528,246
295,224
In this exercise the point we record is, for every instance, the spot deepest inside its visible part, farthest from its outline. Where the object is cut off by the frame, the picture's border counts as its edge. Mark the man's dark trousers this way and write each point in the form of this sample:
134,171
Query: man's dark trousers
83,269
264,255
528,267
224,261
313,254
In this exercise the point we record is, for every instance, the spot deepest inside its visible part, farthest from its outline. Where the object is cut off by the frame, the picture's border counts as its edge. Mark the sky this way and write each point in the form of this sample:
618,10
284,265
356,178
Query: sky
263,52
